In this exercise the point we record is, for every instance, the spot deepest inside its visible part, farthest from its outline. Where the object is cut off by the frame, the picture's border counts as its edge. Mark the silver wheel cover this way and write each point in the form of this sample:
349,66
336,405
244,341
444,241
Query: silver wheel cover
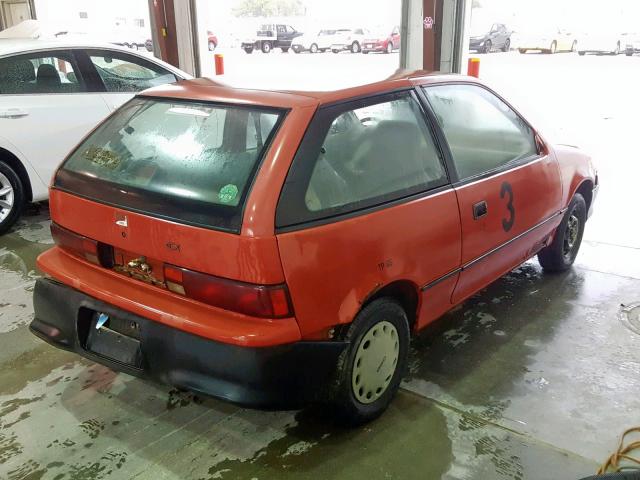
375,362
6,197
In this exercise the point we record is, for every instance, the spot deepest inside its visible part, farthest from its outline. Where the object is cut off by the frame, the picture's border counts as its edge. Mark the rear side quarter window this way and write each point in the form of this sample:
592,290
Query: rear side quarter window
360,155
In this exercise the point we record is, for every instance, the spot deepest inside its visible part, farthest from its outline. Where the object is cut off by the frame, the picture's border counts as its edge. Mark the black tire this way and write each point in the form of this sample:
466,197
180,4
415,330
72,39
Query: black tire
212,46
248,50
265,47
487,46
553,48
389,48
18,197
285,49
560,255
574,46
313,48
581,53
335,51
628,54
355,47
349,409
507,45
522,50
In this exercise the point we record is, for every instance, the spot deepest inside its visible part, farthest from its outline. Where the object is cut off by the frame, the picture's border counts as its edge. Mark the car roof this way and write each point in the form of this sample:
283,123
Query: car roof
208,90
10,46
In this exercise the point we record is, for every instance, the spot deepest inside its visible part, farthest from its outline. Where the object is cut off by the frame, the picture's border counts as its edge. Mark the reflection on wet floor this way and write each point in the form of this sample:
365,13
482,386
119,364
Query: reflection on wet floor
535,375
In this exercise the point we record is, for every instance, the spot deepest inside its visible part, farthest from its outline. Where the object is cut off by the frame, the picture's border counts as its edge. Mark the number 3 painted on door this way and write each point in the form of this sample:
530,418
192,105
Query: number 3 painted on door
507,223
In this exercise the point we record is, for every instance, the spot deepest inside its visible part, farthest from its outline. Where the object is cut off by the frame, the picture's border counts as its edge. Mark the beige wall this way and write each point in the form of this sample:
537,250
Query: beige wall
13,12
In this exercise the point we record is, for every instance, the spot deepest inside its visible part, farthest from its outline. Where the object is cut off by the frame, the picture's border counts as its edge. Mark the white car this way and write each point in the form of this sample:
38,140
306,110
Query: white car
52,93
632,44
320,42
547,40
350,39
601,43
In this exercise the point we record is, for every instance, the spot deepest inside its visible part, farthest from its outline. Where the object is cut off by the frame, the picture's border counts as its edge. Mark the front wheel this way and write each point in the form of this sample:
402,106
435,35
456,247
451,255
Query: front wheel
487,46
212,46
266,47
355,47
313,48
248,50
552,48
522,50
370,370
12,197
507,45
560,255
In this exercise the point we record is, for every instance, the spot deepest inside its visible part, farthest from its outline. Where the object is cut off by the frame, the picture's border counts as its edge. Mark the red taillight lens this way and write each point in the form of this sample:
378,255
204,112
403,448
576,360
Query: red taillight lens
263,301
77,244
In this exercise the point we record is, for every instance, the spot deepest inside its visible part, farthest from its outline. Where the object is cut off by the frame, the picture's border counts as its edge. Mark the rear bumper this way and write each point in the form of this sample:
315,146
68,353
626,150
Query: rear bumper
282,376
375,47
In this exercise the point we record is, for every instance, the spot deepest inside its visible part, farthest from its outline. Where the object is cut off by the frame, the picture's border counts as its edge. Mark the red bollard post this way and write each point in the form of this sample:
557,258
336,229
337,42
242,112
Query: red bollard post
219,59
473,67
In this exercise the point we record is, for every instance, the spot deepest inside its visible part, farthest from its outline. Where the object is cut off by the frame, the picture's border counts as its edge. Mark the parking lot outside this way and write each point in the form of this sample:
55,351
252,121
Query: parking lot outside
533,378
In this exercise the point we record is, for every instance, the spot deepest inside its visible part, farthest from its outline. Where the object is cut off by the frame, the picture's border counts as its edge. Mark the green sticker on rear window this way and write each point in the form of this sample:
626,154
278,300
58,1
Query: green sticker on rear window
228,193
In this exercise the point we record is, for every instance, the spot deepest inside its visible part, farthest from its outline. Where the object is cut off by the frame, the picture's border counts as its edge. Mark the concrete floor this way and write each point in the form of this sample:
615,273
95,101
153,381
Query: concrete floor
533,378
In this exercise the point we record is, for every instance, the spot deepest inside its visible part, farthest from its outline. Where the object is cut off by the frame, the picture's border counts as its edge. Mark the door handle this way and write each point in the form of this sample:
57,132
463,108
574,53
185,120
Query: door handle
13,113
479,210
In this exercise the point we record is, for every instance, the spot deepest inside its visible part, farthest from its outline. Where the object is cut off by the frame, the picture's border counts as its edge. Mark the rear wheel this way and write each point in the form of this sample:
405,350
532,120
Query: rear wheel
560,255
507,45
266,47
581,53
487,46
12,197
552,48
212,46
355,47
371,368
313,48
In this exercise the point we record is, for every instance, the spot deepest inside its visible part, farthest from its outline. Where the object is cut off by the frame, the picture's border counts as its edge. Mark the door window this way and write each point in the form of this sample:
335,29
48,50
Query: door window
363,157
125,73
53,72
483,133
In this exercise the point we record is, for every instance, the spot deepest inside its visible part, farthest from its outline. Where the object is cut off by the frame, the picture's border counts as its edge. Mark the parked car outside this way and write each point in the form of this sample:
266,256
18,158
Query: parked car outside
602,43
149,45
268,248
314,43
550,41
632,44
489,38
271,36
52,93
382,41
212,40
349,39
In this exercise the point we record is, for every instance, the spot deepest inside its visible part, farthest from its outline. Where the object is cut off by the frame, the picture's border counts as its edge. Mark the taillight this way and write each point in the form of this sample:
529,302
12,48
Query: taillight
265,301
78,244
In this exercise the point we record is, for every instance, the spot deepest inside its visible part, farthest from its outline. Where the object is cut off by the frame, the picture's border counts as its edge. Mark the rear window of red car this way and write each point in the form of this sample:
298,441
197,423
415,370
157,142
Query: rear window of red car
185,161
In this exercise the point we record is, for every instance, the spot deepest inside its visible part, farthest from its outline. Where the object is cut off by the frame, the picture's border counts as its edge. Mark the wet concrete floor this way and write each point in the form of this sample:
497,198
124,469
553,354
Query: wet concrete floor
533,378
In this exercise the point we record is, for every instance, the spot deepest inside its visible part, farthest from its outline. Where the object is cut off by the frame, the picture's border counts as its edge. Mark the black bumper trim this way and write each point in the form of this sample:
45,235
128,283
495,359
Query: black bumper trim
283,376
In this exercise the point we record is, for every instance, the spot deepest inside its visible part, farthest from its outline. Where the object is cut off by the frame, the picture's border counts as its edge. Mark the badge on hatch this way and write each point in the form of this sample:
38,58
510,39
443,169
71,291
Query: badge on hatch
102,319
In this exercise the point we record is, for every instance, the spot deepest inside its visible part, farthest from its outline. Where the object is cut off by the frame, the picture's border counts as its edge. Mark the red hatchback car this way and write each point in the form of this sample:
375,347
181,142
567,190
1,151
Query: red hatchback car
279,248
382,41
